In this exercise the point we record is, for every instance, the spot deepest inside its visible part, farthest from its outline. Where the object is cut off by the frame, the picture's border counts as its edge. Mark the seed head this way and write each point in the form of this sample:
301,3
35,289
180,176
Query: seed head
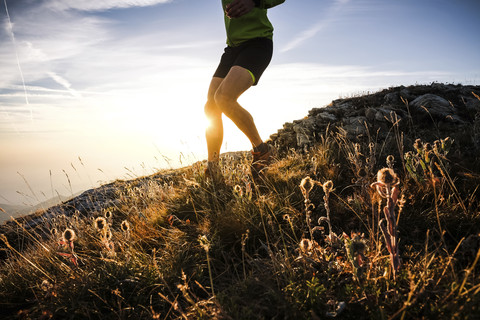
306,245
125,226
69,235
108,214
306,185
409,155
418,145
390,161
46,285
447,144
358,246
100,223
108,235
328,186
238,190
387,176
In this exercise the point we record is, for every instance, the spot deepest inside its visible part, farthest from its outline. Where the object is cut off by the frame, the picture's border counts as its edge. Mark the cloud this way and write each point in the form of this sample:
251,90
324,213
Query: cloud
64,83
97,5
313,30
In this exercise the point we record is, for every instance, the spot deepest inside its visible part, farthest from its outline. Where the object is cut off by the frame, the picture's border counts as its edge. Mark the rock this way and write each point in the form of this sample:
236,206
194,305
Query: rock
302,135
391,98
370,114
355,126
325,117
472,104
436,106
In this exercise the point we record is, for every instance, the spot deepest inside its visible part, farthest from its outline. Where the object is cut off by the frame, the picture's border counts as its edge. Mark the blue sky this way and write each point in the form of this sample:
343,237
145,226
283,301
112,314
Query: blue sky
122,83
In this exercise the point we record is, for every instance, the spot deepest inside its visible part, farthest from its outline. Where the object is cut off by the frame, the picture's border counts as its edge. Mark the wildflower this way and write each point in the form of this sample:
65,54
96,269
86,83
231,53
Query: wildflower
125,226
418,145
100,223
108,214
306,186
387,176
328,186
108,235
446,144
390,161
46,285
306,245
204,242
387,187
68,235
238,190
409,156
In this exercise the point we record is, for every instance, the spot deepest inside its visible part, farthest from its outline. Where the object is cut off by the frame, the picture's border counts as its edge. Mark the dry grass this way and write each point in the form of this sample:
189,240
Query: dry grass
182,248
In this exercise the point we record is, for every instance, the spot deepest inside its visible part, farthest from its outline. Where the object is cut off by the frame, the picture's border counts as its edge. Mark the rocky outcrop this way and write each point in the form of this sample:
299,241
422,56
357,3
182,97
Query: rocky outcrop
429,112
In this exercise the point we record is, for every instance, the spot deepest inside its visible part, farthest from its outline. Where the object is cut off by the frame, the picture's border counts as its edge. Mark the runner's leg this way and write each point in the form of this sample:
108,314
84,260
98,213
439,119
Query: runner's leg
237,81
214,131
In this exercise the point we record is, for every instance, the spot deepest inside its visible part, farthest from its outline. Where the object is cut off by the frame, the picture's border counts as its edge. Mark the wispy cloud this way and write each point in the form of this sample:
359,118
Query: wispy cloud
96,5
64,83
313,30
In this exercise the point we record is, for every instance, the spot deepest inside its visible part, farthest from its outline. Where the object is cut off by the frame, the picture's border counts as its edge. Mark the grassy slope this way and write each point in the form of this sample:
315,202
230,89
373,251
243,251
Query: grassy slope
195,250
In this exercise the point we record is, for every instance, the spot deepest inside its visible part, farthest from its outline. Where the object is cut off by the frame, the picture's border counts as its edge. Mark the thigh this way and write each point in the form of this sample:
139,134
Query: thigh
214,84
237,81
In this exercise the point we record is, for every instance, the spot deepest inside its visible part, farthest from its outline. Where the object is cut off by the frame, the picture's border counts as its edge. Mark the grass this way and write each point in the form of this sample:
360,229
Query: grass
174,246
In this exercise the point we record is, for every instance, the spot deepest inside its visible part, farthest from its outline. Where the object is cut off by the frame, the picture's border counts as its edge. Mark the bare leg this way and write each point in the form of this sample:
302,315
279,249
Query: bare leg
237,81
214,131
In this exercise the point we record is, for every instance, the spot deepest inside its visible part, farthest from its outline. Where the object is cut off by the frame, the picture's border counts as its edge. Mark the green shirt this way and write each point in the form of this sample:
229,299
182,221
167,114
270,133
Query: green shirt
254,24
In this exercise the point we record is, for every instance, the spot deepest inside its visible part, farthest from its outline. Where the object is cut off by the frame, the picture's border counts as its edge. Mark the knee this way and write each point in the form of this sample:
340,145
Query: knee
224,101
211,110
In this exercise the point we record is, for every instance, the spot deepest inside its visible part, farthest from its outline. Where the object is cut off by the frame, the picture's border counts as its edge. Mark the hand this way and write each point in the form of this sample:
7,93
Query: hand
238,8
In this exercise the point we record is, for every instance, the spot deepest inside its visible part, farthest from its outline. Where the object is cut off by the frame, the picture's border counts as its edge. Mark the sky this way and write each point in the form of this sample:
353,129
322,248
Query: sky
92,91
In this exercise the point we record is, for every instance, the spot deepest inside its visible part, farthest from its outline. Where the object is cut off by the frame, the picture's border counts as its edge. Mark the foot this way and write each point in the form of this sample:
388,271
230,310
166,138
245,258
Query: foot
262,157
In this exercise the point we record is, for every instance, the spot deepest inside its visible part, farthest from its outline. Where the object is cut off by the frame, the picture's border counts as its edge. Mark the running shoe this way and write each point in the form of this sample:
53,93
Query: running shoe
261,160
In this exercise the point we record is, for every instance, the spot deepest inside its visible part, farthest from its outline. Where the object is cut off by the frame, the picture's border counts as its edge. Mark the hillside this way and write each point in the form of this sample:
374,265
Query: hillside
370,211
17,211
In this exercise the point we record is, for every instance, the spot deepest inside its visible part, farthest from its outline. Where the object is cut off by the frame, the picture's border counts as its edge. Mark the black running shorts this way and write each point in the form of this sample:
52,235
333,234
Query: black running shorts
253,55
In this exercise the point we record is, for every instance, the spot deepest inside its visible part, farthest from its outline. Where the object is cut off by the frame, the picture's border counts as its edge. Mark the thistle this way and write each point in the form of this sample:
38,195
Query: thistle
108,214
306,185
306,245
68,237
356,247
205,244
100,223
327,189
387,187
125,226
